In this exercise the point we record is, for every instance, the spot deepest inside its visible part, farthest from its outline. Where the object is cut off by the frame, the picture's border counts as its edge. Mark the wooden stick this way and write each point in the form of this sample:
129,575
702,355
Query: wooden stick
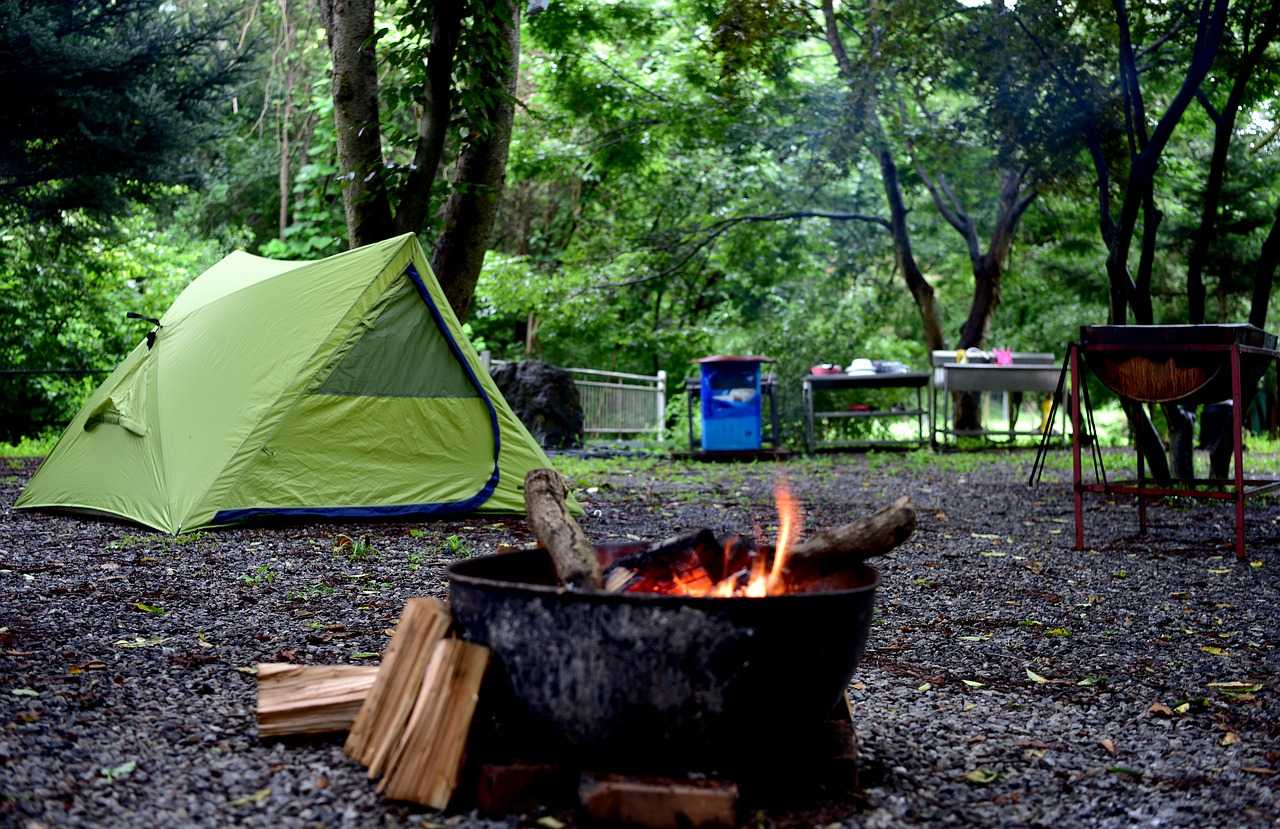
840,547
428,760
545,496
310,699
377,728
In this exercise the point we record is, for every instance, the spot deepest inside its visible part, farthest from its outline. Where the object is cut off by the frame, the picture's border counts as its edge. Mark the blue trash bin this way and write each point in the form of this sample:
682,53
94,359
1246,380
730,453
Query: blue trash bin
731,408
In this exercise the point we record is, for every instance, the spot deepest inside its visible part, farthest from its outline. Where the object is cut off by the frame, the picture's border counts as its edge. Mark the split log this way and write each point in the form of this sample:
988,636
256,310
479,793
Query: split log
657,803
310,699
545,497
428,759
377,728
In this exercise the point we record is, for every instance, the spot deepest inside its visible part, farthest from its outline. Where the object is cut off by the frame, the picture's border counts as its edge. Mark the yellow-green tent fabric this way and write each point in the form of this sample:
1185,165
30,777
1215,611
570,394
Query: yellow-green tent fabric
340,388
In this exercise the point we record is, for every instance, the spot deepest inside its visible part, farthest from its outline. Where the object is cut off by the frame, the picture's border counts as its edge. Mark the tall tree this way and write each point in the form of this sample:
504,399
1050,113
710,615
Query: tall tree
472,52
866,80
104,101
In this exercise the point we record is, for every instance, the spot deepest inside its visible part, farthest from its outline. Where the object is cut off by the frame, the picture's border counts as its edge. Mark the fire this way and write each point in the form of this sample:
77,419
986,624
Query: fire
759,578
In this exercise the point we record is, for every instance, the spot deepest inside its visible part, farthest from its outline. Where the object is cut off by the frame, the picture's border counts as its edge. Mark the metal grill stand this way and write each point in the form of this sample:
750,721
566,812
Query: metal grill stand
1236,489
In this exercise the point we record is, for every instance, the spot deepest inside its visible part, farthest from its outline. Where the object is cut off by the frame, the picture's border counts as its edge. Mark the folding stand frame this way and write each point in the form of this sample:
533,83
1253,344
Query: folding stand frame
1236,489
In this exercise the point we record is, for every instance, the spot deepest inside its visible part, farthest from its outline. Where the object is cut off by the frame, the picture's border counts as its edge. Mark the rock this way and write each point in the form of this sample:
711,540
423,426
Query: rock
544,397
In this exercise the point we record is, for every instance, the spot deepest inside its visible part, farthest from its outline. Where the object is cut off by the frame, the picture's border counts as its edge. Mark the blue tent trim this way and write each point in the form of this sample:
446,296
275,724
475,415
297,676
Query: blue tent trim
233,516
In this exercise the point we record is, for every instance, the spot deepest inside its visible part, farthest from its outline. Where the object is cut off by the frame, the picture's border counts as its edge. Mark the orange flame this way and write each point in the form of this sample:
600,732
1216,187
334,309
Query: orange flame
760,578
790,525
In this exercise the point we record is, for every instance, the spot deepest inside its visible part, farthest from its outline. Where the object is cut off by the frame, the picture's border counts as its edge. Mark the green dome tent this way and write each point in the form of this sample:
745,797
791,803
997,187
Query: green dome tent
341,388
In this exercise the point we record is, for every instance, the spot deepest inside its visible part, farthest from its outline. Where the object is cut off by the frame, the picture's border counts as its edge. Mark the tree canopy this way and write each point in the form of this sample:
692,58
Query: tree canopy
634,184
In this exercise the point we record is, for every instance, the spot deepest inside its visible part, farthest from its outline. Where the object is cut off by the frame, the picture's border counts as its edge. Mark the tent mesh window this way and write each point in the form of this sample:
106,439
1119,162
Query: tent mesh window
403,354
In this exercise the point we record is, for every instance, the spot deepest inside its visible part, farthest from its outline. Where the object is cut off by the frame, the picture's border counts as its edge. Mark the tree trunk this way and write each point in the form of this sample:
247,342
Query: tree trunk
1224,128
436,103
921,290
1264,274
355,115
473,207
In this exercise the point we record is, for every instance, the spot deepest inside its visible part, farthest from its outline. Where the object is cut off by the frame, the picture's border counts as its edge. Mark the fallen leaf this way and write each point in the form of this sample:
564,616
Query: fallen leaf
24,692
201,641
1035,677
981,637
1183,708
1109,745
548,822
1160,709
1229,739
1219,571
248,670
1258,770
116,772
1256,564
1120,574
973,683
1125,770
985,536
1236,686
257,797
981,777
1212,650
140,642
992,554
1088,681
365,655
924,686
1057,632
154,610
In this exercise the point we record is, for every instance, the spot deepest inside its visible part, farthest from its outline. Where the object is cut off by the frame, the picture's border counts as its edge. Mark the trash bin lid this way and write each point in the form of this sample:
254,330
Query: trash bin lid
735,358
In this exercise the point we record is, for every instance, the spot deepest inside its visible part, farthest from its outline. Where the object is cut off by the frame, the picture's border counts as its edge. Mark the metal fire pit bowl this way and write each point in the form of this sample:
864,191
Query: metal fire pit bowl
1188,364
642,675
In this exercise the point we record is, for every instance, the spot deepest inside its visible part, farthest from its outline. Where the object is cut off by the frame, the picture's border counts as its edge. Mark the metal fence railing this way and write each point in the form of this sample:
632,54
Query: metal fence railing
616,402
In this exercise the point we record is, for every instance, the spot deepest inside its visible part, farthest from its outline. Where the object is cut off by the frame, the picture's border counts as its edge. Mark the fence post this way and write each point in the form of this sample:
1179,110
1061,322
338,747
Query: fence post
662,404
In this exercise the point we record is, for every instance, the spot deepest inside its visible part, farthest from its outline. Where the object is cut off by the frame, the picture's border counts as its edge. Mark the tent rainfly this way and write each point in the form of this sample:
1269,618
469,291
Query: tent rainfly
341,388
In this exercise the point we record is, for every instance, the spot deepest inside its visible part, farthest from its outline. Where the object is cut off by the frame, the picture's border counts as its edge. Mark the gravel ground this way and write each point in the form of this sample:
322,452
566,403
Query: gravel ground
1009,679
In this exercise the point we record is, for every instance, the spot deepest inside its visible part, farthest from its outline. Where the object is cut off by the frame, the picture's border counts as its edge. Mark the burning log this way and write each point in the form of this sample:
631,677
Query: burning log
545,496
839,548
699,564
693,562
310,699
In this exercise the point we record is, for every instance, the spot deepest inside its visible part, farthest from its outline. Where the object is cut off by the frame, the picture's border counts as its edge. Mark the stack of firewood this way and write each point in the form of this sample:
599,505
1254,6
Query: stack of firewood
408,718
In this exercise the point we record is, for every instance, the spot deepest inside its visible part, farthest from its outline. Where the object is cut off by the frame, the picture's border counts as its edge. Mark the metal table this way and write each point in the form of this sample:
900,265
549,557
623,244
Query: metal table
815,383
988,377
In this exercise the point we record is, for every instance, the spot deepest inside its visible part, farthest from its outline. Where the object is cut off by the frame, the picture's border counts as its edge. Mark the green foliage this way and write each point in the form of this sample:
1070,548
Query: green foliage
259,576
456,547
104,101
354,550
64,298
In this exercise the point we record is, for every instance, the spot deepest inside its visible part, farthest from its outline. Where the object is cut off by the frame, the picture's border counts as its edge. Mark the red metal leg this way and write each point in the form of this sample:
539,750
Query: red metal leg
1076,482
1237,432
